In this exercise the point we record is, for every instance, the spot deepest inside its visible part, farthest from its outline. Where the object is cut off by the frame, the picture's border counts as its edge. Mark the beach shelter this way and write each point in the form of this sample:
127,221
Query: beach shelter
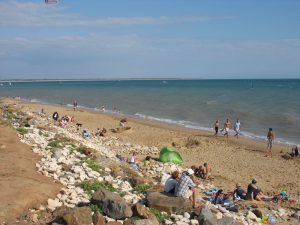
168,154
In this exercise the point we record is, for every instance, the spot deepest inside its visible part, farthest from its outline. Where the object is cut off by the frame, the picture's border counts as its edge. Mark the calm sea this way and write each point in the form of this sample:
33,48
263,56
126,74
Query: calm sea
259,104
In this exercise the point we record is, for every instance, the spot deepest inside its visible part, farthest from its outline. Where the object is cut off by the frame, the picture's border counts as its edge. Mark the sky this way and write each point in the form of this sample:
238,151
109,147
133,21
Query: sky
105,39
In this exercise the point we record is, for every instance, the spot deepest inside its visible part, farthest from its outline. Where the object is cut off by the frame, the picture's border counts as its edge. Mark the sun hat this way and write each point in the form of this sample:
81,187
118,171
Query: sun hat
190,172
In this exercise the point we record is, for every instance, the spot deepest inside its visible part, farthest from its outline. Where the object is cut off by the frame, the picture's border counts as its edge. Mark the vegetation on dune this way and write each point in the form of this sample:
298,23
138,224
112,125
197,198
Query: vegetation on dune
22,130
94,185
92,163
161,217
140,189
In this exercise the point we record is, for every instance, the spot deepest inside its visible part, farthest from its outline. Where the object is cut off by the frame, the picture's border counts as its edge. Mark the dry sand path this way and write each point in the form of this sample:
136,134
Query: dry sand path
21,186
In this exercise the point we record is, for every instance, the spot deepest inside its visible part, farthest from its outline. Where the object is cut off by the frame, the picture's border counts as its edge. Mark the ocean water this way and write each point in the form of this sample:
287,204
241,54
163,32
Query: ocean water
259,104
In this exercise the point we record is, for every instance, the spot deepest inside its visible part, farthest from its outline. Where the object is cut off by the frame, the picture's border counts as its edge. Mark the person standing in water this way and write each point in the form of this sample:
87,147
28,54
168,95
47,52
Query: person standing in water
237,127
271,138
227,125
216,125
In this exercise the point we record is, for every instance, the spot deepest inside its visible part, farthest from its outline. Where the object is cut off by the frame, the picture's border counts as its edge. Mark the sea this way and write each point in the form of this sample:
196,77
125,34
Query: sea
197,104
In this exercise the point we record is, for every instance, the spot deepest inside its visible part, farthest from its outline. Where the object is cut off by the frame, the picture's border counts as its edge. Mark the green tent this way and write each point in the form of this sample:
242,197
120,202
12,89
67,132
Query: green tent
168,154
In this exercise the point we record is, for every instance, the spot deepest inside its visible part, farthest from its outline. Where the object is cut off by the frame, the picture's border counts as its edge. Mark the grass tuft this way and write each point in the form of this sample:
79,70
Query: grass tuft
91,186
140,189
22,130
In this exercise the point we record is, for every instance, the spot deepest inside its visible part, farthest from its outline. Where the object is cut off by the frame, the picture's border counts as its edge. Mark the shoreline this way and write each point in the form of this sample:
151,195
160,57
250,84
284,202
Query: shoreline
172,123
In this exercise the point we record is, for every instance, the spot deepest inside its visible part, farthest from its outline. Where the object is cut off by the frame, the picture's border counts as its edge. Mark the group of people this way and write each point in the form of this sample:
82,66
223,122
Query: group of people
185,185
65,120
226,127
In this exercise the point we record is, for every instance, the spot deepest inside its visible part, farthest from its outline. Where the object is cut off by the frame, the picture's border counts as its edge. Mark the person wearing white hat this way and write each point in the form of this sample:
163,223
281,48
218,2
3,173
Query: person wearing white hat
186,187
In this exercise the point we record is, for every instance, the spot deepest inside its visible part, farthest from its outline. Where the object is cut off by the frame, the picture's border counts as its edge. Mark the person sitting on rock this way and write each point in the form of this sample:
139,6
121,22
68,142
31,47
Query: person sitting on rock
133,161
219,198
186,187
171,182
239,193
194,177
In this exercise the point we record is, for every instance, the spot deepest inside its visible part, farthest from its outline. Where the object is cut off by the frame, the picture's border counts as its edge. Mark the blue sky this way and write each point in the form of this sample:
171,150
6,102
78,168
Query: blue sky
150,39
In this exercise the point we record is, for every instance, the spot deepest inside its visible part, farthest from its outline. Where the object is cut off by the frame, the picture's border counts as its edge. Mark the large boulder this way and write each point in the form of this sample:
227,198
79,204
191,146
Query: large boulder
98,219
150,221
226,220
112,204
79,216
168,203
206,217
141,211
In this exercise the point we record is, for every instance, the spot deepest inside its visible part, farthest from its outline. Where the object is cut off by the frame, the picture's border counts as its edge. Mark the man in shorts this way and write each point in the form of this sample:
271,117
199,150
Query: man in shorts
186,187
227,125
271,138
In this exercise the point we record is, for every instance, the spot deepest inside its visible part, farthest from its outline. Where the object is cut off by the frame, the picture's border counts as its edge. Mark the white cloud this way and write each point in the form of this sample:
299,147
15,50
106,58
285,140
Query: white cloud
29,14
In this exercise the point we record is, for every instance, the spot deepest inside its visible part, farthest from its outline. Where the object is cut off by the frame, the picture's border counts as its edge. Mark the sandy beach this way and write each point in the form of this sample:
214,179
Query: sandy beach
21,186
238,160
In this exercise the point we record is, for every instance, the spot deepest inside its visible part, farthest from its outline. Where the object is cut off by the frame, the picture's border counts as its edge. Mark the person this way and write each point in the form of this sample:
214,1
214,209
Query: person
271,138
147,162
171,182
85,134
227,125
295,151
200,172
206,171
97,133
237,127
55,117
186,187
122,123
133,160
103,132
219,198
239,193
75,105
216,125
255,193
78,126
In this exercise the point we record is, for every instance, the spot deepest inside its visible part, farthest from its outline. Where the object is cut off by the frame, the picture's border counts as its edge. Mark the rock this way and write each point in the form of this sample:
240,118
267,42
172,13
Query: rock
251,216
296,215
257,213
52,204
186,215
194,222
287,156
226,220
141,211
61,211
98,219
168,203
152,221
138,180
234,208
79,216
206,217
114,223
112,204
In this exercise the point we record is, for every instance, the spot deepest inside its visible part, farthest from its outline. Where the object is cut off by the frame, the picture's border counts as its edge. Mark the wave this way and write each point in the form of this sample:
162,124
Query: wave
197,126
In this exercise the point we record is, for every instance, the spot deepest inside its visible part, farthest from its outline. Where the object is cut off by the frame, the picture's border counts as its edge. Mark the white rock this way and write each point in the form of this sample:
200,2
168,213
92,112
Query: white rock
187,215
194,222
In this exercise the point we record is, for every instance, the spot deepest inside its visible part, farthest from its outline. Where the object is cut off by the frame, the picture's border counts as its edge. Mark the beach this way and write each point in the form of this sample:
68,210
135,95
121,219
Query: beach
239,160
233,161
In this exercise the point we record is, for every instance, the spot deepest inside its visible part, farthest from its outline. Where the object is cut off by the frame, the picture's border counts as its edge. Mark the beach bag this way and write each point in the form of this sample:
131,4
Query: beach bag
168,154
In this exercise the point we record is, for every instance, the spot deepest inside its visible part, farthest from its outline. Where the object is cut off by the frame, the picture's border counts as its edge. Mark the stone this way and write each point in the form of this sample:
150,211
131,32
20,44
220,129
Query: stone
79,216
114,223
168,203
257,213
98,219
112,204
152,221
226,220
194,222
141,211
186,215
206,217
53,203
251,216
